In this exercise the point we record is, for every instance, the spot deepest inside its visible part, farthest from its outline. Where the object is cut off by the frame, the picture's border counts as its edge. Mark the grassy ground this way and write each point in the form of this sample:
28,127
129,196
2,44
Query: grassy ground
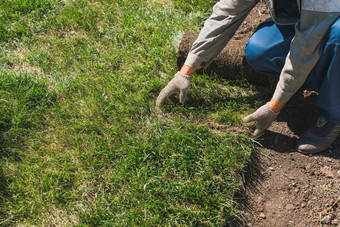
81,140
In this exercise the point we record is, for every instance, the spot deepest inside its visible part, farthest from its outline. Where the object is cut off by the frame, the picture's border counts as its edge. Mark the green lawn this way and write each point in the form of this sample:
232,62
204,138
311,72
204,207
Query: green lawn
81,141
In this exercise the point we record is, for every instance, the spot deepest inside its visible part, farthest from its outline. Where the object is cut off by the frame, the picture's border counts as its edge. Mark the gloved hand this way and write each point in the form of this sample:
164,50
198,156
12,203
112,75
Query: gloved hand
180,83
264,117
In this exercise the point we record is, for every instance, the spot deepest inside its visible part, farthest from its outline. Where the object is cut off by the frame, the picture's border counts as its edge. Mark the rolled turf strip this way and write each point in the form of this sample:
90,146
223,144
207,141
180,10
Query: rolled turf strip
229,64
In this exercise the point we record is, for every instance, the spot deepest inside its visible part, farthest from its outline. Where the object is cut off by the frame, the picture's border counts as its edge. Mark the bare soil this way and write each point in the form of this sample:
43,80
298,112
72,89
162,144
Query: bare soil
282,187
286,188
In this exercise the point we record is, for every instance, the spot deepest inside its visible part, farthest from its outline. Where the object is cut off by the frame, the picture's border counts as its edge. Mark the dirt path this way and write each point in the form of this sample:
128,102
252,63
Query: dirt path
286,188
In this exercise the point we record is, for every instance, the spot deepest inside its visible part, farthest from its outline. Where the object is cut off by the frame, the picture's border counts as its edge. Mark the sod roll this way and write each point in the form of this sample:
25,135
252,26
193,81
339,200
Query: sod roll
231,63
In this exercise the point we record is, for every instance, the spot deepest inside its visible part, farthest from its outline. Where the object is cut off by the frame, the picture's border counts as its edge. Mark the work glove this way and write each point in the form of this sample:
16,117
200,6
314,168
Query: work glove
264,117
180,83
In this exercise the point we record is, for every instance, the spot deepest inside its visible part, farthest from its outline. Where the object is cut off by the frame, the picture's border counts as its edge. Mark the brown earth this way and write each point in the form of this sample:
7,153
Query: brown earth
285,188
282,187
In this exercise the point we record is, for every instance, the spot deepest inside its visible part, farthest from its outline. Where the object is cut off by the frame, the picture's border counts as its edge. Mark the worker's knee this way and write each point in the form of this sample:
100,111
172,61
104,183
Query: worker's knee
268,47
334,32
255,54
262,58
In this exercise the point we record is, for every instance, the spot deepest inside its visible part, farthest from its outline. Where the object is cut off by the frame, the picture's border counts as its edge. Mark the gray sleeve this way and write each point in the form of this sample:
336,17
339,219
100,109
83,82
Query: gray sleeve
305,51
218,29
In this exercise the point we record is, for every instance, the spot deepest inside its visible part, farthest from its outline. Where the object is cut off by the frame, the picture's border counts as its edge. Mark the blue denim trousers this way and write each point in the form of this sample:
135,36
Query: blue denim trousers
268,47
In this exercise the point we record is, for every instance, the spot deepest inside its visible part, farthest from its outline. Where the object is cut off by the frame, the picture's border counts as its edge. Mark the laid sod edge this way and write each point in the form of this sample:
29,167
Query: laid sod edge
81,143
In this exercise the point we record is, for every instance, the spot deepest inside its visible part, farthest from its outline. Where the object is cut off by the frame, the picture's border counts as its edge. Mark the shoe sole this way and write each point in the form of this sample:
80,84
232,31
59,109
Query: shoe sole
310,152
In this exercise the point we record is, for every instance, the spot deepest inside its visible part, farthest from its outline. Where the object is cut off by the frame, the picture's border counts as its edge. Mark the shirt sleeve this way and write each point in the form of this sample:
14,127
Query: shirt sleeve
305,51
218,29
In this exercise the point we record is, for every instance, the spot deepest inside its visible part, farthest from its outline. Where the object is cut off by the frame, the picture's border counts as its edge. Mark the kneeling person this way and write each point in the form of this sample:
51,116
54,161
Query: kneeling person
300,46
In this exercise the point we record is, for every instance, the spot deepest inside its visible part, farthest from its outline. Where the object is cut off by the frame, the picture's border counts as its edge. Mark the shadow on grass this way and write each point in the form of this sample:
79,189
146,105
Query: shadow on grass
4,153
299,113
24,100
3,190
231,98
3,193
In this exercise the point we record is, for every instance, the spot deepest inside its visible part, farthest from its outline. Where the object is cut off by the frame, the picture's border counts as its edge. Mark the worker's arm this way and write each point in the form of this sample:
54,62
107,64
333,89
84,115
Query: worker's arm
218,29
305,51
187,70
275,105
